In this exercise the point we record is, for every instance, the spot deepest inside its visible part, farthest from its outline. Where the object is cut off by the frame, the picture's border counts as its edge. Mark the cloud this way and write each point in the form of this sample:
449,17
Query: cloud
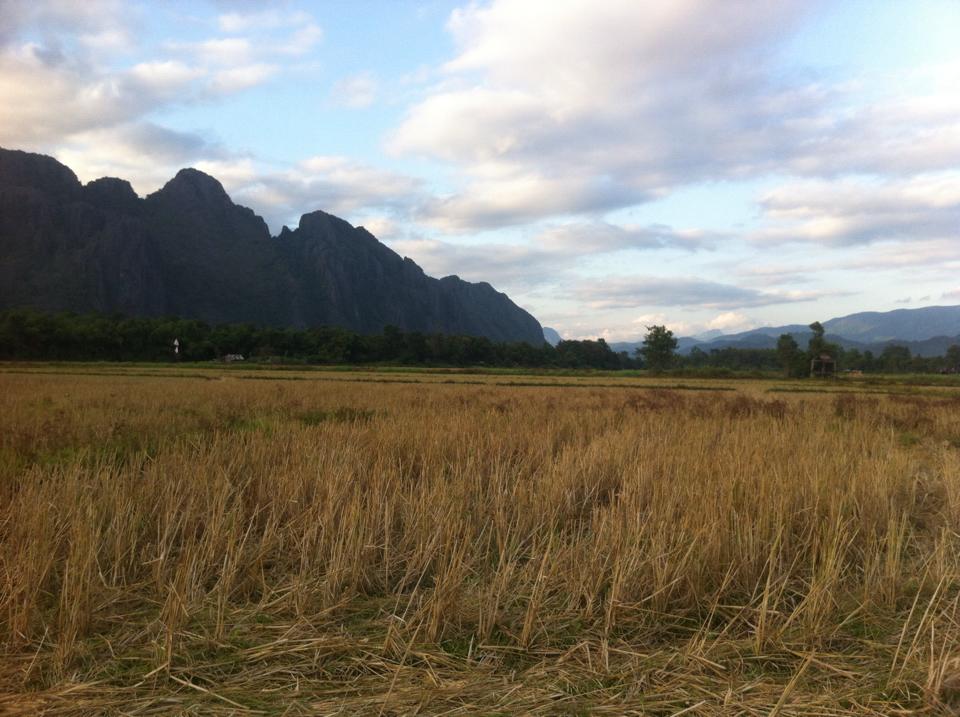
549,256
551,109
120,151
633,330
638,327
88,20
96,108
782,273
505,199
302,34
586,107
334,184
501,264
603,237
46,103
218,50
357,91
863,210
236,22
622,292
302,41
241,78
730,322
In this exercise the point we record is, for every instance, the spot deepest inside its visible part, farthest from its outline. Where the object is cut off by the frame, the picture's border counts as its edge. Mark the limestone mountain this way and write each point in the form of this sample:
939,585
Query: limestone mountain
188,250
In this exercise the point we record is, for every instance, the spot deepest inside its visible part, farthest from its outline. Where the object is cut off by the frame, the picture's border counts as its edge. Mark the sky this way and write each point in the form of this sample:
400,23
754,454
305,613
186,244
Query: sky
610,164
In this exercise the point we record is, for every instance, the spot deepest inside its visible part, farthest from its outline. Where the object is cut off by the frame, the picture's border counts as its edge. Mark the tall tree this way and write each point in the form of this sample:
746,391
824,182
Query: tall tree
818,344
787,352
658,348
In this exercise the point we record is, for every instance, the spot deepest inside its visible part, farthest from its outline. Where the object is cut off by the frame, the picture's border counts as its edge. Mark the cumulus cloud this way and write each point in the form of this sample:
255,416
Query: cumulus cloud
68,90
336,184
45,103
730,322
638,326
582,106
554,108
120,151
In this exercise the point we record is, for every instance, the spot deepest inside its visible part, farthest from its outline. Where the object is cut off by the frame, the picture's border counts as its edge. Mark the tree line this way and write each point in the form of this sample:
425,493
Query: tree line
32,335
659,353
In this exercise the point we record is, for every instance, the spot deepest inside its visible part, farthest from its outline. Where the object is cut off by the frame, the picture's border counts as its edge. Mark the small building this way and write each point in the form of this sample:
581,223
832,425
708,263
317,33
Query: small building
230,358
823,366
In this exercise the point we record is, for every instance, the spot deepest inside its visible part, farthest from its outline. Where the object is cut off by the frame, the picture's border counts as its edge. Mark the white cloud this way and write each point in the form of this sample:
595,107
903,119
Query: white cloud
579,106
235,22
302,41
357,91
335,184
122,151
731,322
558,108
165,76
241,78
48,103
301,33
220,50
501,199
861,211
640,324
80,94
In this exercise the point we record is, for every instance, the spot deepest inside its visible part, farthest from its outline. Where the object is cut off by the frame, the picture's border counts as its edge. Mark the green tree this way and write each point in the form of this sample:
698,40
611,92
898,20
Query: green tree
818,344
658,348
895,358
788,352
953,357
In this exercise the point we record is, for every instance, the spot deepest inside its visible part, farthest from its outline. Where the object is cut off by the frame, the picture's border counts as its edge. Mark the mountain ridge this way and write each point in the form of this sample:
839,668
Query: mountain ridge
187,249
926,331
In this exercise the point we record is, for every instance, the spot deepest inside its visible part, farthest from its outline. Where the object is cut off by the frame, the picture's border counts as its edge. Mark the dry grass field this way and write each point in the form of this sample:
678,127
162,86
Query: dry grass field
213,542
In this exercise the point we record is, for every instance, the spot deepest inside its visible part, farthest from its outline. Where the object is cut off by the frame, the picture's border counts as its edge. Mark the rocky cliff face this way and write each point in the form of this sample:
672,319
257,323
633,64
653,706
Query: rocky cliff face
188,250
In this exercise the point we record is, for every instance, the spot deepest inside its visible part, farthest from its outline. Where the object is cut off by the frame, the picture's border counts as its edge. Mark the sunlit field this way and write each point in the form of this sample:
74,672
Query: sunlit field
231,541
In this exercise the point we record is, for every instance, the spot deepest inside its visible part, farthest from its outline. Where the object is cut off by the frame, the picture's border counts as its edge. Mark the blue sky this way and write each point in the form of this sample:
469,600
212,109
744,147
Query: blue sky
708,164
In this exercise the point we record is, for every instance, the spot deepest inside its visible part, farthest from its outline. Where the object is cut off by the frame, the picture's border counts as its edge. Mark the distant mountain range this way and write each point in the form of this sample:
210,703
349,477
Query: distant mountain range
188,250
927,331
